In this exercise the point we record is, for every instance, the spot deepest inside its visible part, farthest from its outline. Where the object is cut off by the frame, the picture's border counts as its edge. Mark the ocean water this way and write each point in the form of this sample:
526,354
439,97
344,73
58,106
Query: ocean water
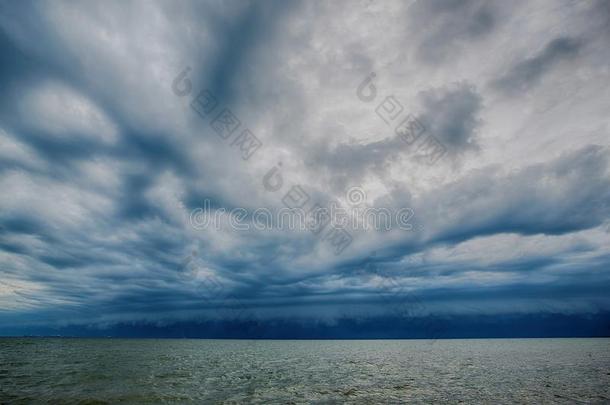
54,370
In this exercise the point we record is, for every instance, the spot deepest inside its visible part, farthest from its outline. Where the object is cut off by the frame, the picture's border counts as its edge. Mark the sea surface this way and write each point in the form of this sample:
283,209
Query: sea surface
493,371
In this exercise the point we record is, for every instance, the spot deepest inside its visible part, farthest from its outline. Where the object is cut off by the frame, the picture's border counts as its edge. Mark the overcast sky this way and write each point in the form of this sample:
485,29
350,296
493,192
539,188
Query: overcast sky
103,158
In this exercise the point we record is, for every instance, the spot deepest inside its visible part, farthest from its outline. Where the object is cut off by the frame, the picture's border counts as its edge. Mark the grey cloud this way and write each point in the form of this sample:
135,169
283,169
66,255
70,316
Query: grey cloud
446,27
449,113
568,194
452,115
530,71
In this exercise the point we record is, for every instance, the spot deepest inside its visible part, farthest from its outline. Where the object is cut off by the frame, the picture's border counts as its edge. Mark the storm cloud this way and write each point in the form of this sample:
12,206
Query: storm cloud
106,152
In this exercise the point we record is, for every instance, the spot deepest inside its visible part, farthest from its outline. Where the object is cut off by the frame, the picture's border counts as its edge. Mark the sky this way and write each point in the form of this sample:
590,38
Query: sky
148,150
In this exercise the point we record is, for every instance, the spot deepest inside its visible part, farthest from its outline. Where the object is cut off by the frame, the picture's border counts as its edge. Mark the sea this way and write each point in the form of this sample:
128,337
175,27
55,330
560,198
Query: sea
149,371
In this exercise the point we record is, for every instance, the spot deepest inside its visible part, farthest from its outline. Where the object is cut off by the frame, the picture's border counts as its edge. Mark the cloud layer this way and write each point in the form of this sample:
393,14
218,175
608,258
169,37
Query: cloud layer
104,155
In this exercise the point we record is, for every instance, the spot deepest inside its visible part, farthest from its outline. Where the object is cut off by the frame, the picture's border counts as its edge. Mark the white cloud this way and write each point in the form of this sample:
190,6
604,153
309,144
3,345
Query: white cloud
61,112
